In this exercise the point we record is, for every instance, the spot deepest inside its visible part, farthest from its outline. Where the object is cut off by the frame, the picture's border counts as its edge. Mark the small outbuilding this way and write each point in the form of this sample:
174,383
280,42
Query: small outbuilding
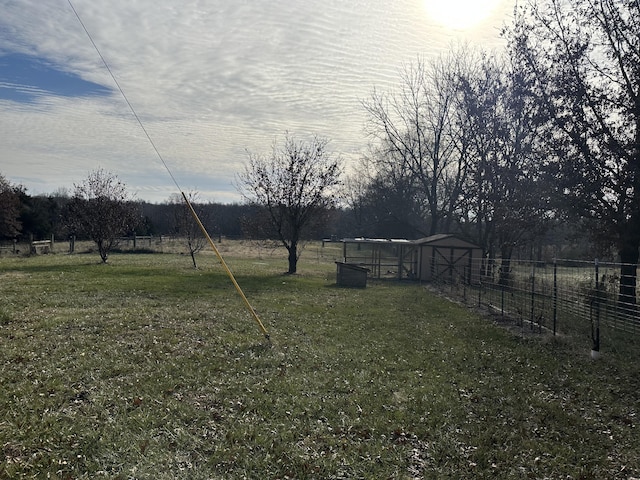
438,258
350,275
447,258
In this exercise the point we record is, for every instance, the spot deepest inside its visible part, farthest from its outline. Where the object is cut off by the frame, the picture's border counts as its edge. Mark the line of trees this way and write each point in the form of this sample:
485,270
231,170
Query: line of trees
583,60
454,150
458,148
504,148
99,208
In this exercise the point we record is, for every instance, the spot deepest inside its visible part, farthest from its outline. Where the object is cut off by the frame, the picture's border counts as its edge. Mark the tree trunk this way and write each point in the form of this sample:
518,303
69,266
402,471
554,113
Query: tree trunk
293,257
192,252
434,213
630,234
103,251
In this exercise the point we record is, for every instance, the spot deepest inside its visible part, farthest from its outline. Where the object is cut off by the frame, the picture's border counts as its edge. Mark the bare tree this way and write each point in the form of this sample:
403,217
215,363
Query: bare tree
185,225
584,56
417,137
295,184
102,210
506,201
385,199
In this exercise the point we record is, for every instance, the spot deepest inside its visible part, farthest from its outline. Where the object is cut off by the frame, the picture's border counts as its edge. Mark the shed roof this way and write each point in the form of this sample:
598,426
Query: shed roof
445,240
352,266
375,240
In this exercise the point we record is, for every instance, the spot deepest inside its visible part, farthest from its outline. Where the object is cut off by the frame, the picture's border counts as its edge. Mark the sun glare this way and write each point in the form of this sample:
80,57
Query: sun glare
460,14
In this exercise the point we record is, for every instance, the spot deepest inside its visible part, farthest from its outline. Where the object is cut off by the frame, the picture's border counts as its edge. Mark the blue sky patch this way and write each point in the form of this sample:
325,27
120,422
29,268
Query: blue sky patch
25,78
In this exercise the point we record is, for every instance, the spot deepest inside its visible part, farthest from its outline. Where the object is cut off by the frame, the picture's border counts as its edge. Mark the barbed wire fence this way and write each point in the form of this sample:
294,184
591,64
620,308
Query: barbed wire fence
573,298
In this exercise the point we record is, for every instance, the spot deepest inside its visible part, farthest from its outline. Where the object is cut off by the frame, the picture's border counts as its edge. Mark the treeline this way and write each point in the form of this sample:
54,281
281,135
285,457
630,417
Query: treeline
517,149
25,217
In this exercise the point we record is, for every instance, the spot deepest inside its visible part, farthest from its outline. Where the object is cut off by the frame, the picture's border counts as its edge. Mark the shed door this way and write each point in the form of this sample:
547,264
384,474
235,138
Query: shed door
451,264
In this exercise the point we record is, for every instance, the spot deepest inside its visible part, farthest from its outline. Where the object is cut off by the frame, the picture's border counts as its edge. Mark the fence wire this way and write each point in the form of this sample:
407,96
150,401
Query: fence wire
566,297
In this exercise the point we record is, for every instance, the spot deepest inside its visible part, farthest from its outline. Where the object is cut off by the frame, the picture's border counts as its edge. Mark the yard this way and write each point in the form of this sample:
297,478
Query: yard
146,368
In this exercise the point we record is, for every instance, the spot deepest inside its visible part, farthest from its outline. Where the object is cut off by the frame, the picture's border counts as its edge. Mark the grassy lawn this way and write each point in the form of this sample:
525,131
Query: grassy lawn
146,368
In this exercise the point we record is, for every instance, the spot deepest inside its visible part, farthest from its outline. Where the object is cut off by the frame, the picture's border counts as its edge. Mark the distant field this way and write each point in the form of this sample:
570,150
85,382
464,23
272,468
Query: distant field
147,368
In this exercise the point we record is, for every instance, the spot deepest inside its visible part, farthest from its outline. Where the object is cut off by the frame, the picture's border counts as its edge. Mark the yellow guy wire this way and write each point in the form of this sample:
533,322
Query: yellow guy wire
226,268
193,212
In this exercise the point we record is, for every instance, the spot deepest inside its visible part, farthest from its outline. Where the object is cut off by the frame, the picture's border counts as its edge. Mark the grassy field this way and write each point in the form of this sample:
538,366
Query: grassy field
146,368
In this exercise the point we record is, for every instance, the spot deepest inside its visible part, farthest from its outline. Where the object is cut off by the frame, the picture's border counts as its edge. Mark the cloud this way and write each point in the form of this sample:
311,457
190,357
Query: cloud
209,81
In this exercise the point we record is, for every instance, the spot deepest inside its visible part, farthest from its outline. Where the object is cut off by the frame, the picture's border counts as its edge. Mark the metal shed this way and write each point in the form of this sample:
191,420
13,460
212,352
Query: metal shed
447,258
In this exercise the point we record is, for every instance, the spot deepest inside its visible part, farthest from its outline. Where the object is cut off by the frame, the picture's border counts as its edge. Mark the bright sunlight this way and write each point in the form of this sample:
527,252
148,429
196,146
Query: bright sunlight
460,14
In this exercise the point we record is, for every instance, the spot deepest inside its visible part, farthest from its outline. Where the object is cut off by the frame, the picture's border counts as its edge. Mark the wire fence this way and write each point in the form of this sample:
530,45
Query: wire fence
566,297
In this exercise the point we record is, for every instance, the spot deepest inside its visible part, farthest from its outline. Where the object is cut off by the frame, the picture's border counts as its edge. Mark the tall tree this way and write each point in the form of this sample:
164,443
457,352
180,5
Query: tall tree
295,184
416,132
506,200
585,59
102,210
10,225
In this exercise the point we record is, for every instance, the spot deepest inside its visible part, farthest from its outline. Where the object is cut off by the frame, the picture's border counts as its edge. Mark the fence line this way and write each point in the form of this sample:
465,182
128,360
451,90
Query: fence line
566,296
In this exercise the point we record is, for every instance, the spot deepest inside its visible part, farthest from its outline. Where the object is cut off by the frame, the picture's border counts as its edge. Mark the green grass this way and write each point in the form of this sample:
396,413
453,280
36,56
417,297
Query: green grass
145,368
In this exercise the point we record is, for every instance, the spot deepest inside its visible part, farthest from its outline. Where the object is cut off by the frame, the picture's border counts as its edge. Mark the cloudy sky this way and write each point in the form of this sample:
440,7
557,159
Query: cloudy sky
208,79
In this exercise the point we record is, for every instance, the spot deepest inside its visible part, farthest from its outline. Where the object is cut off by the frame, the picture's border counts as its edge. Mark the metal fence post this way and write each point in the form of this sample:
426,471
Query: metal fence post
533,292
555,295
502,300
596,337
464,285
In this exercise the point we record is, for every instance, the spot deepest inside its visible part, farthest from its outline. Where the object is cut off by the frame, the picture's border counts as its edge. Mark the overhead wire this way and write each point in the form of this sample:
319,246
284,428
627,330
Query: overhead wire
126,99
188,203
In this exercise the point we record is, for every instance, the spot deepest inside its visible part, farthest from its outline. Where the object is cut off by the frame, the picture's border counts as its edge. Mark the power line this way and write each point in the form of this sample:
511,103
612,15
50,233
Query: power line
133,111
193,212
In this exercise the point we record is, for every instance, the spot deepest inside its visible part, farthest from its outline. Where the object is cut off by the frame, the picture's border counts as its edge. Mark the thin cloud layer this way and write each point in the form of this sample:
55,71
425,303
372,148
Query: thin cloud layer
209,81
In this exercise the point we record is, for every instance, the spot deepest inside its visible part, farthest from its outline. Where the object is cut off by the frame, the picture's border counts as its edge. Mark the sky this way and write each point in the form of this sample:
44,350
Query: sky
209,80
